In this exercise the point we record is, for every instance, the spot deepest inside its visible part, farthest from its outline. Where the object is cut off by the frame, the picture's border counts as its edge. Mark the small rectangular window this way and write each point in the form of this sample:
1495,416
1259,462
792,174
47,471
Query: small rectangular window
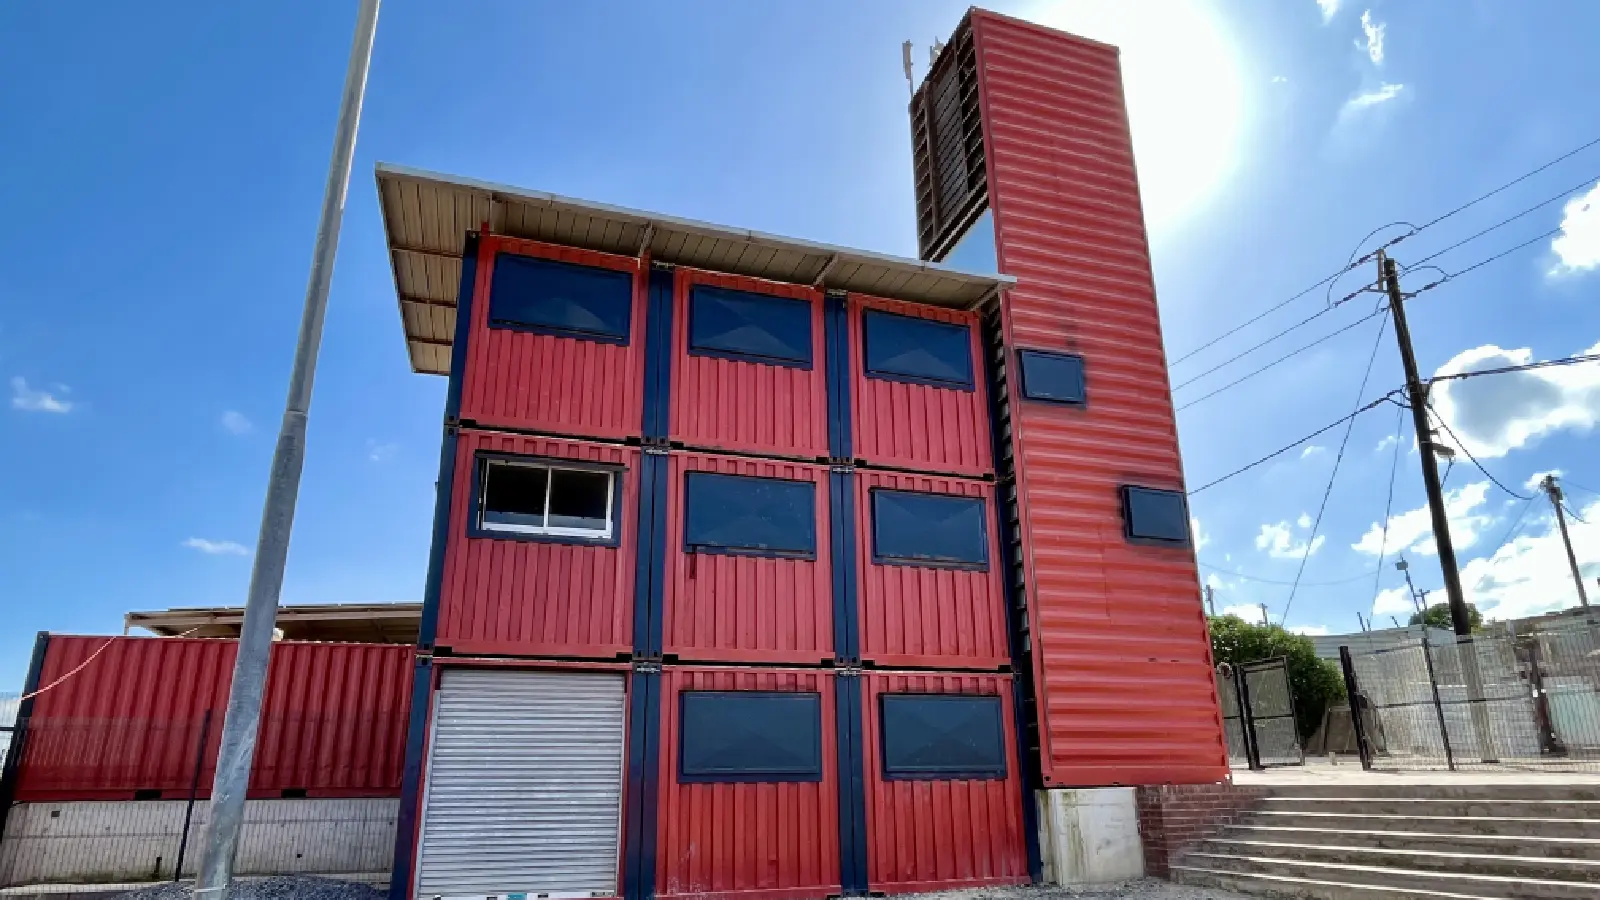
911,528
524,497
919,351
748,326
1154,515
942,737
749,736
560,298
1052,377
744,514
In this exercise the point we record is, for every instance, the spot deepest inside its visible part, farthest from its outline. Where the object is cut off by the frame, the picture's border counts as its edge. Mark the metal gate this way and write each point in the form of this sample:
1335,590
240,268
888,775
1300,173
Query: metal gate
1233,730
524,788
1258,713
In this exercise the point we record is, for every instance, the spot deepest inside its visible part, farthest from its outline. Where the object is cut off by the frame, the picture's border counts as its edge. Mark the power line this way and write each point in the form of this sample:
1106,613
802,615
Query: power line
1566,482
1386,398
1516,526
1261,315
1573,514
1462,444
1512,183
1500,224
1291,354
1242,575
1388,503
1502,370
1350,424
1484,262
1241,355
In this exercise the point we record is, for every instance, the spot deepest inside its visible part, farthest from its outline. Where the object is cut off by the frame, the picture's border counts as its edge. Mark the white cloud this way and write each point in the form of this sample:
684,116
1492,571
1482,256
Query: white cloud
1279,542
1313,450
1577,247
1201,539
1279,79
1395,601
1536,479
1412,530
1496,414
1530,574
1214,581
1383,93
378,452
216,548
1374,33
29,399
1330,8
1385,444
1244,611
234,422
1304,522
1308,630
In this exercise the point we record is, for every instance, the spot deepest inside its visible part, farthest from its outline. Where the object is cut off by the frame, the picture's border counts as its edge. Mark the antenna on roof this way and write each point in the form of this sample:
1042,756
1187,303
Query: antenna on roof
905,60
934,51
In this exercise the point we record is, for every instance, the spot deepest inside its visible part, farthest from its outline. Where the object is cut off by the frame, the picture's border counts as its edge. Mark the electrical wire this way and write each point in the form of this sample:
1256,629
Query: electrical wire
1510,184
1484,262
1388,504
1462,444
1259,316
1316,525
1502,370
1573,514
1291,354
1501,224
1386,398
1516,526
1241,355
1572,484
1284,583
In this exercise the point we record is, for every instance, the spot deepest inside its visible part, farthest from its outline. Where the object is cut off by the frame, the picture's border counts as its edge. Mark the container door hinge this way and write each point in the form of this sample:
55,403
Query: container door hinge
645,667
848,672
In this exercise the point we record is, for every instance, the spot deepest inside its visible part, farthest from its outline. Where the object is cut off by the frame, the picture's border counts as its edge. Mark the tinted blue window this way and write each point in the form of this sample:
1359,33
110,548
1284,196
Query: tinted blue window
749,736
942,736
560,298
921,351
751,515
754,327
930,529
1056,377
1154,515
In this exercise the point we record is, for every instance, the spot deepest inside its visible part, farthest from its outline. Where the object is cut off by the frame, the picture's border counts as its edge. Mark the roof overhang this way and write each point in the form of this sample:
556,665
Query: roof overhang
426,217
369,623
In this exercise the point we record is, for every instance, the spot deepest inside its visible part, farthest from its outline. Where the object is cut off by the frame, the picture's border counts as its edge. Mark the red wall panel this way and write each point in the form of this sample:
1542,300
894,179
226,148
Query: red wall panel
1122,660
915,426
732,608
518,597
925,616
729,404
936,835
540,382
766,841
333,718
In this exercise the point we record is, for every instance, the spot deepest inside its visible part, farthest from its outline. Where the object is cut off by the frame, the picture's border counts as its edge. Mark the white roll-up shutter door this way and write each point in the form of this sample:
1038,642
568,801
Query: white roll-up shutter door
524,789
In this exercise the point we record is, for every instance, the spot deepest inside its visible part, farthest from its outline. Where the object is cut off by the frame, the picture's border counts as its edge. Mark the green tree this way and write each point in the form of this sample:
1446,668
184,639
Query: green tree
1313,683
1438,616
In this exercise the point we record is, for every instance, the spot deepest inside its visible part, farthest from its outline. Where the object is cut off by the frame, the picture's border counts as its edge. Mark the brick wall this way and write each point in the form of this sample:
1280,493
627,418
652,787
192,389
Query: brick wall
1175,816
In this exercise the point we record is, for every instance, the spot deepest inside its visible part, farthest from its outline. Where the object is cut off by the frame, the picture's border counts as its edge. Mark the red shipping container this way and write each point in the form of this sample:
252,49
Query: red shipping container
772,841
914,615
550,383
507,596
937,835
736,404
725,607
1122,661
127,725
919,426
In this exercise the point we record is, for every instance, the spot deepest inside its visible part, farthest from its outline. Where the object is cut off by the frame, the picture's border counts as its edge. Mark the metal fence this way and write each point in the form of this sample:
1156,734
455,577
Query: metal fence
1258,721
1502,700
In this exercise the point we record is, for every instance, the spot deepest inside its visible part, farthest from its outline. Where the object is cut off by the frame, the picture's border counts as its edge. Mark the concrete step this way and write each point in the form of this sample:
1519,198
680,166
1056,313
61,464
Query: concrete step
1536,845
1484,825
1469,884
1258,884
1434,806
1501,789
1509,865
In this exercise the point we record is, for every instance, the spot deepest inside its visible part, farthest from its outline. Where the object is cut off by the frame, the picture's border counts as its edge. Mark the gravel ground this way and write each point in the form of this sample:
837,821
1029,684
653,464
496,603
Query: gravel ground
1143,889
278,887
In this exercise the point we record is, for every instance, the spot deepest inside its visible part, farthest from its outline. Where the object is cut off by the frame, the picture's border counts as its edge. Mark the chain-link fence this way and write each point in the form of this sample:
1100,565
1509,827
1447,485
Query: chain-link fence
1258,714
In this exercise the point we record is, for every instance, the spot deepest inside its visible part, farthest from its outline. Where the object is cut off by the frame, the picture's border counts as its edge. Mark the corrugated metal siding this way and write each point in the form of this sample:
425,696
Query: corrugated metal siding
540,382
334,718
735,608
1123,664
915,426
936,835
530,598
729,404
925,616
766,841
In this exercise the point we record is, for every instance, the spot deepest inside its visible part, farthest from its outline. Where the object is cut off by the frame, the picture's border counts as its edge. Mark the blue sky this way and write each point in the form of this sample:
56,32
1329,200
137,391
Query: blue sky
163,166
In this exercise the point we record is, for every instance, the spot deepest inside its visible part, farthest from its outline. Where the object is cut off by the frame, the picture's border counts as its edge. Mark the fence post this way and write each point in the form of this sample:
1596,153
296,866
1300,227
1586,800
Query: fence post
1438,706
194,789
1252,749
1358,721
1549,743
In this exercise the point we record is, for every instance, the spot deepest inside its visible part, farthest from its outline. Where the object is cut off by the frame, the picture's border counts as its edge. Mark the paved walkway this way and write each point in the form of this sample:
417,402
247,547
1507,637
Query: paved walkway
1350,772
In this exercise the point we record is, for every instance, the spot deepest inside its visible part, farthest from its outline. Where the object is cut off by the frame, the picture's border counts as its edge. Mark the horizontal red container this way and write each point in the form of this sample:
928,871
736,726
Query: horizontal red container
937,835
727,404
747,841
1122,661
914,426
129,722
735,608
541,382
502,596
925,616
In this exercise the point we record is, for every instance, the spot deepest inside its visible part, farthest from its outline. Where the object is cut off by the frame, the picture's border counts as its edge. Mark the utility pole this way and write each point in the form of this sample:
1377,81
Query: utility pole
1211,597
1265,619
1553,490
243,718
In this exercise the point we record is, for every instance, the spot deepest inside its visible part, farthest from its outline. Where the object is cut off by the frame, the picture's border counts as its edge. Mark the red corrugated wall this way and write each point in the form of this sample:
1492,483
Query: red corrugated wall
1122,659
925,616
540,382
729,404
731,608
938,835
333,719
915,426
746,841
530,598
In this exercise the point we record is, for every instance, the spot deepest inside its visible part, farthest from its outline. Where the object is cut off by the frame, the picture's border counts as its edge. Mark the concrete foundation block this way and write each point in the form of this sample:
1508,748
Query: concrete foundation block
1089,835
